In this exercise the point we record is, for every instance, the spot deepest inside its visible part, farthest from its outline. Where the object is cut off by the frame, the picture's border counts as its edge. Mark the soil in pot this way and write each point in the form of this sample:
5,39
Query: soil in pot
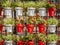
30,28
41,43
1,27
51,11
20,43
20,28
30,43
41,28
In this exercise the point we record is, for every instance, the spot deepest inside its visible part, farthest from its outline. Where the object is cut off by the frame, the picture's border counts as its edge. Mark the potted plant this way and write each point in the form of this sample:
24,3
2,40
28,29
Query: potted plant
18,8
30,5
51,9
52,23
20,25
52,39
7,8
1,40
9,39
29,39
41,23
9,23
42,8
1,25
30,24
41,39
20,40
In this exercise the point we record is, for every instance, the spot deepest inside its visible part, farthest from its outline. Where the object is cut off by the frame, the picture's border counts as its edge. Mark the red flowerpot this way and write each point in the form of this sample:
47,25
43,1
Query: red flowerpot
1,42
30,43
0,11
20,43
1,27
41,43
41,28
51,11
30,28
20,27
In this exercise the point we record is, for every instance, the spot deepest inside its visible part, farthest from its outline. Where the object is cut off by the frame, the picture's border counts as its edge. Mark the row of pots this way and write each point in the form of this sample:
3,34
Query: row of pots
28,43
30,28
30,11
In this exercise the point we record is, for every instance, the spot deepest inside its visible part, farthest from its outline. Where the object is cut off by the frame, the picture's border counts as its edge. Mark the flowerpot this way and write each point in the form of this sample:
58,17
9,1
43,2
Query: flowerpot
9,28
30,28
41,28
31,11
41,43
51,11
51,28
1,27
19,11
20,28
8,12
1,42
52,43
42,11
20,43
30,43
0,11
9,42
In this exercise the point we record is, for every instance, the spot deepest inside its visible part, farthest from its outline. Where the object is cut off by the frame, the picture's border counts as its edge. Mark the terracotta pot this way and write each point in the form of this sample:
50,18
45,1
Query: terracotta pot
52,43
31,11
1,42
1,27
41,28
51,11
9,42
9,28
51,28
19,11
30,43
30,28
20,27
0,11
41,43
42,11
20,43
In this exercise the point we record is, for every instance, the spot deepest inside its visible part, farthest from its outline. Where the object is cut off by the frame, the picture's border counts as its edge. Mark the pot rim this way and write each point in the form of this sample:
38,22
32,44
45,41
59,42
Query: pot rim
8,25
7,8
52,42
42,8
8,41
31,8
18,8
51,25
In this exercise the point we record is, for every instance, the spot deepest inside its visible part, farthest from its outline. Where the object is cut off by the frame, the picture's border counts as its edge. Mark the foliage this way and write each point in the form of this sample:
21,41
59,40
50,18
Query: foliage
52,21
42,37
52,37
29,4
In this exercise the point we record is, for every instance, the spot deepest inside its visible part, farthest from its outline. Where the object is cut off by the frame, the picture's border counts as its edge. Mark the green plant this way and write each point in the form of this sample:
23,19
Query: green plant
17,4
30,20
42,37
52,21
19,38
40,20
29,4
20,21
41,4
14,37
50,5
9,21
1,21
6,4
29,37
8,37
52,37
1,38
